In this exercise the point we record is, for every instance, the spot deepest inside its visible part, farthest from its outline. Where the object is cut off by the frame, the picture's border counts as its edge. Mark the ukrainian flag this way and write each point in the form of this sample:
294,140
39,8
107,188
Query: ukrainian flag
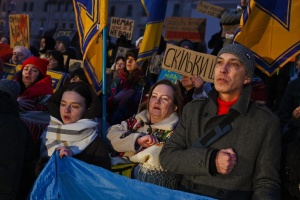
271,29
91,18
156,11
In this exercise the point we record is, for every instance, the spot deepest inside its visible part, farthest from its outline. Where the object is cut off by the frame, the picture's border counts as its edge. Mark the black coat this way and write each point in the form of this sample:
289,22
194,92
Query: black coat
15,148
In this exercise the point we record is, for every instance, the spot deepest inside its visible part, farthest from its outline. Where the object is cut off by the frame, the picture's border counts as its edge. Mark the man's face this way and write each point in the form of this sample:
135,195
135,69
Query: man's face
230,76
18,58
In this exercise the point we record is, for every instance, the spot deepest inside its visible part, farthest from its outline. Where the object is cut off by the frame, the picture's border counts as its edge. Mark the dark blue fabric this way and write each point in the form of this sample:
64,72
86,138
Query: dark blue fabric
69,178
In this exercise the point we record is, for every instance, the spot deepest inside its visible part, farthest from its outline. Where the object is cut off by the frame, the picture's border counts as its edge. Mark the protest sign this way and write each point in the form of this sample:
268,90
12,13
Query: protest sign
155,64
170,75
121,26
187,62
210,9
75,64
66,32
178,28
19,30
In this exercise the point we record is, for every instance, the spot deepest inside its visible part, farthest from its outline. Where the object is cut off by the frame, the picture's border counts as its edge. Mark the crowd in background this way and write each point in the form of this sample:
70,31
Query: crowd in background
142,114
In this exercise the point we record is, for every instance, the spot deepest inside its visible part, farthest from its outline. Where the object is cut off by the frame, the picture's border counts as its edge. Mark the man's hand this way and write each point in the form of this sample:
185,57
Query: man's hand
225,161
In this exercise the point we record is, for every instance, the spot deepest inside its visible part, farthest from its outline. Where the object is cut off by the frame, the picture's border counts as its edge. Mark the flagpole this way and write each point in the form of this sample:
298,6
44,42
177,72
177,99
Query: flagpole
104,62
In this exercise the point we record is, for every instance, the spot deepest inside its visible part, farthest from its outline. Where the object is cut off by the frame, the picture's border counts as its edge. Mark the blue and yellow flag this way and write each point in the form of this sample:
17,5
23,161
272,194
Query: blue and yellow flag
91,18
156,10
271,29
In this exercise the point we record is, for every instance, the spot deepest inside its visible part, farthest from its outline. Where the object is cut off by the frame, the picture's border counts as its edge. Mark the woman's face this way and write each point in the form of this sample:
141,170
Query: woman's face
131,64
52,63
120,65
30,75
72,107
161,103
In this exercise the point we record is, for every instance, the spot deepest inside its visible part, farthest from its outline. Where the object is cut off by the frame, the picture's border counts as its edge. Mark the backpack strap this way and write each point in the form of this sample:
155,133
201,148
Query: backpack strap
218,131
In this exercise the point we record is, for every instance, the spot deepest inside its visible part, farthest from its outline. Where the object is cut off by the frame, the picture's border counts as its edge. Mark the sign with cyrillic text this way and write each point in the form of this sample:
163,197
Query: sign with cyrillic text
178,28
186,62
210,9
121,26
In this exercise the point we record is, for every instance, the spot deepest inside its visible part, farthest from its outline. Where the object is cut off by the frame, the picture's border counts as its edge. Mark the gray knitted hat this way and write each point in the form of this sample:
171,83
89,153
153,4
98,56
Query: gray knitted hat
11,87
243,53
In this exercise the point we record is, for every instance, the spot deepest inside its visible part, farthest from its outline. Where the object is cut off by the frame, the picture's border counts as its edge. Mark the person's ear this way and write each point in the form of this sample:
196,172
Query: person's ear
247,80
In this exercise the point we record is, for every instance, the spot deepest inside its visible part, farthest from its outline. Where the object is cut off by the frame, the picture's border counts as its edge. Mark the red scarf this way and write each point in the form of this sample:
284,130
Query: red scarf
40,88
224,106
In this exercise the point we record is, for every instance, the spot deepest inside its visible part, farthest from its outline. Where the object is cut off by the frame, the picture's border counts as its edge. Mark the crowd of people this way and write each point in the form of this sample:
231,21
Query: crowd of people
211,139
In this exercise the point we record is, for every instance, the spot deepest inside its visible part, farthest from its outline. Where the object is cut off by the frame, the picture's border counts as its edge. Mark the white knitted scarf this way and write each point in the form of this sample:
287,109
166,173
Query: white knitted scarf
77,136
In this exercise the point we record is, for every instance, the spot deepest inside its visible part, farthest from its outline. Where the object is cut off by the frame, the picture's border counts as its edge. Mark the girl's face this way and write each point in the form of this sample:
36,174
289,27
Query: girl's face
131,64
72,107
30,75
120,64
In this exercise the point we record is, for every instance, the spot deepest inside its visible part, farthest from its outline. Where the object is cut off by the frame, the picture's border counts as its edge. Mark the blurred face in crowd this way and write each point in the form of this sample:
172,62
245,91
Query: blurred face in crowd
187,82
30,75
161,103
43,43
4,40
230,76
120,64
131,64
244,3
72,107
52,63
17,58
59,46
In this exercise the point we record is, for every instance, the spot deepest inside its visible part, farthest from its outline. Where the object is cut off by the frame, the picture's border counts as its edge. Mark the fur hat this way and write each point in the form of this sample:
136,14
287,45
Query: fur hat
22,50
244,54
40,63
64,39
11,87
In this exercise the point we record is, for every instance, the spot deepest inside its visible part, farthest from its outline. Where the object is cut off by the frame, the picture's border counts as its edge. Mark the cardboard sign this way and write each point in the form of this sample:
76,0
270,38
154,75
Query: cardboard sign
155,64
229,29
66,32
75,64
170,75
121,52
178,28
121,26
187,62
210,9
19,30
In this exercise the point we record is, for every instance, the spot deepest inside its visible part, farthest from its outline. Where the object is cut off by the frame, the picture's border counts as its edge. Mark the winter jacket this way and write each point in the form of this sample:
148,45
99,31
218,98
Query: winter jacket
255,138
